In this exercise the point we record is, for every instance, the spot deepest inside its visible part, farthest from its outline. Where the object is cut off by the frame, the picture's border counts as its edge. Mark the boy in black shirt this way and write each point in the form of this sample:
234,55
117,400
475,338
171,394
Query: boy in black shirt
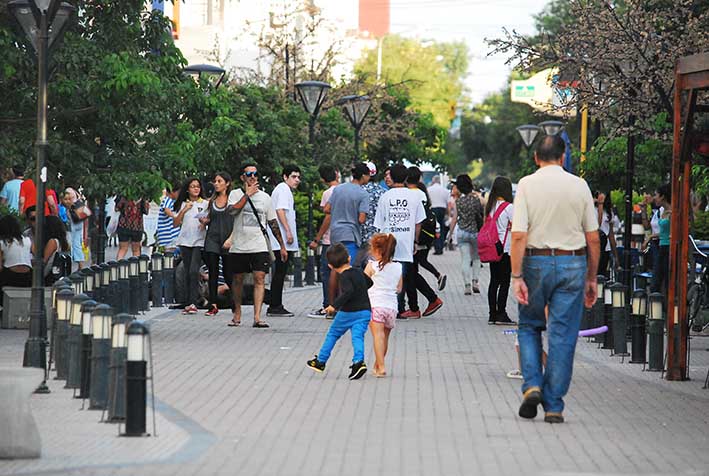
353,311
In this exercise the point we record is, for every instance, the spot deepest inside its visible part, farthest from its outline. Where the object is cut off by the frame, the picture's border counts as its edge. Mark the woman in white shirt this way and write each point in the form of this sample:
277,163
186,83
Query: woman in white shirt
15,254
192,206
500,272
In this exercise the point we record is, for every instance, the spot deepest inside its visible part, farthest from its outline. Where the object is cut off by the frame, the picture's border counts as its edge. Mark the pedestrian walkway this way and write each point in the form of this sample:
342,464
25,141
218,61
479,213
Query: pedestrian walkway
240,401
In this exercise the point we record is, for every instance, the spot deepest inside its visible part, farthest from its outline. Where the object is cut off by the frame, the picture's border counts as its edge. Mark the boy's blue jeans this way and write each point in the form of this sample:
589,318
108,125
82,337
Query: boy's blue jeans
357,323
559,282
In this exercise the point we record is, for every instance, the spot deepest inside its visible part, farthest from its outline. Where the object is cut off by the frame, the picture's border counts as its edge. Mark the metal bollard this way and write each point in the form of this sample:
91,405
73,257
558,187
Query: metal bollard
63,306
156,280
117,369
168,277
100,352
143,265
637,329
136,379
656,333
122,303
113,296
103,291
618,295
310,267
608,316
79,305
598,320
85,361
297,269
134,286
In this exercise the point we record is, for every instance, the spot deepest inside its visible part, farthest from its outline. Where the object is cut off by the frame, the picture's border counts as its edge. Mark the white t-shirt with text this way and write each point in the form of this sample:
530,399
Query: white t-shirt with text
398,213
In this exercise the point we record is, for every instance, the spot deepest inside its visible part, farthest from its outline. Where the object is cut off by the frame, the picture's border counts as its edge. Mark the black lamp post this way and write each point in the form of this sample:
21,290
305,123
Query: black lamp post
312,95
156,281
113,286
61,331
608,316
77,282
134,285
598,320
117,369
122,303
43,21
100,353
168,277
637,328
143,266
104,293
212,75
136,379
89,281
620,345
356,109
80,305
656,332
87,332
528,132
551,128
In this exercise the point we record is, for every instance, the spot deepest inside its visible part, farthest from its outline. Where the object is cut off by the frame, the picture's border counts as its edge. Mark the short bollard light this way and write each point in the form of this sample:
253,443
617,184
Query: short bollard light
88,275
77,281
87,332
117,369
156,282
134,285
100,354
168,277
620,345
123,302
98,284
105,282
656,333
637,329
608,316
297,262
143,267
598,320
113,287
80,305
61,331
136,379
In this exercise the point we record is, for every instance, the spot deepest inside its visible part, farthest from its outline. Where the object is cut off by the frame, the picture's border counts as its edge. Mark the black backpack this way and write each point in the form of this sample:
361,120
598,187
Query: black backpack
428,228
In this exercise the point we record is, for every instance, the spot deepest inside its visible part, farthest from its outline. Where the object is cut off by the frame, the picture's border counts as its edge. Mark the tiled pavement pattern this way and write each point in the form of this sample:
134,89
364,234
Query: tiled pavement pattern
241,401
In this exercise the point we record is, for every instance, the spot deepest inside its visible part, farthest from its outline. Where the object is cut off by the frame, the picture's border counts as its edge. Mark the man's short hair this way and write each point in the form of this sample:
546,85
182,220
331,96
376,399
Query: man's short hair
18,170
413,175
551,148
246,166
337,255
398,173
435,179
289,169
327,173
359,170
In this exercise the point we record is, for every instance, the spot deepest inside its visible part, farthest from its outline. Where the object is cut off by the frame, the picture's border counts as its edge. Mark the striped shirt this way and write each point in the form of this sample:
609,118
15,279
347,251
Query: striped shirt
167,233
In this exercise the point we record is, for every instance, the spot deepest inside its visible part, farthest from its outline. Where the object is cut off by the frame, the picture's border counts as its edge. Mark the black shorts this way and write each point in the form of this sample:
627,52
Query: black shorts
125,234
249,262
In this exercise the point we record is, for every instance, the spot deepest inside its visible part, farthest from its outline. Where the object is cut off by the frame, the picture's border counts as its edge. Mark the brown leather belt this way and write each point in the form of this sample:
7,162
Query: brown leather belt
554,252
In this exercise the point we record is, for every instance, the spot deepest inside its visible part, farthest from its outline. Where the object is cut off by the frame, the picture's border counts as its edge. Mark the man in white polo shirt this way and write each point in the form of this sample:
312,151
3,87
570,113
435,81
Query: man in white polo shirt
554,255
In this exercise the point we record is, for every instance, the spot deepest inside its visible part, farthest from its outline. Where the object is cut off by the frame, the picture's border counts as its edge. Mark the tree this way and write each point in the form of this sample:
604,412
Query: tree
432,72
621,54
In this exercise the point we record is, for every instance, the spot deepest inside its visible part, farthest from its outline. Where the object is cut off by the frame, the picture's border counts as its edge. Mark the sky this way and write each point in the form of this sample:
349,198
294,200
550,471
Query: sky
470,21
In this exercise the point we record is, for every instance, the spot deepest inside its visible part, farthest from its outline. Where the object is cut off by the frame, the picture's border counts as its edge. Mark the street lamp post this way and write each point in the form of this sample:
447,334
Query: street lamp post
356,109
528,132
312,95
43,21
551,128
213,75
620,345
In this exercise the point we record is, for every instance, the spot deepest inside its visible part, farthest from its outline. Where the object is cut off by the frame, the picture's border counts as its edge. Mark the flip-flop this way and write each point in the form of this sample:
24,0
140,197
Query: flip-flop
233,323
260,325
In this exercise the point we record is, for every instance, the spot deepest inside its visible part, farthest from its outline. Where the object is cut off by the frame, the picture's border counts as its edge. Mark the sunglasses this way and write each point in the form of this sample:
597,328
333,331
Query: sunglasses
250,174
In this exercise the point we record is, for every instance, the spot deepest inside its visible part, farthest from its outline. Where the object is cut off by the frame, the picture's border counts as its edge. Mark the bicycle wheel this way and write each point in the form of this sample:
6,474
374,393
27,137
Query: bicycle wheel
695,299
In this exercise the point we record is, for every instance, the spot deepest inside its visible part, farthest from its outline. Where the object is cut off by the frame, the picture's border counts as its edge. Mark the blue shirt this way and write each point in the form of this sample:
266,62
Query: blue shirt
347,201
11,193
167,232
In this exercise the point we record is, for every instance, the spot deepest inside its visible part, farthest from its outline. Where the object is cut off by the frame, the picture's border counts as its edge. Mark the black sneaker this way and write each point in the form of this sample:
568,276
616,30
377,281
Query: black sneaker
358,369
504,320
316,365
442,279
532,398
279,312
492,320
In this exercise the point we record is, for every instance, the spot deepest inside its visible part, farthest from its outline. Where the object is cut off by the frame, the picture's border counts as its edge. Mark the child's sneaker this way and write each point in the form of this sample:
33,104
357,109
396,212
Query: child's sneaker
316,365
358,369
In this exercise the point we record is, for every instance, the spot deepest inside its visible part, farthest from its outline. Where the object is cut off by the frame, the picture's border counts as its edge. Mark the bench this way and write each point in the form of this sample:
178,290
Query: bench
19,437
16,307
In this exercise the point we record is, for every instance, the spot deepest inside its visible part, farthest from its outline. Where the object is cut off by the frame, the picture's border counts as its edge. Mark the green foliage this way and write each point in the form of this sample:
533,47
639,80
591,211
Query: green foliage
433,73
700,226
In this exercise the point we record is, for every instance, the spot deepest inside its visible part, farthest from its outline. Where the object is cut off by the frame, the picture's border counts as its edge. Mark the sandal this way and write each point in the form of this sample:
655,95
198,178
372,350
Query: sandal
260,325
234,323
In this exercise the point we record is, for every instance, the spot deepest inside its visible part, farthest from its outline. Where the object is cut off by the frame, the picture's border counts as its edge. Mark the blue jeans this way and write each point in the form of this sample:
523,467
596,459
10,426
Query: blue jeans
324,275
557,281
352,249
357,323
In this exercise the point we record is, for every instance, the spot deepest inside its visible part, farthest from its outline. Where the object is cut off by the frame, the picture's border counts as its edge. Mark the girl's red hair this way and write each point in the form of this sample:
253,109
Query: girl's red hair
385,244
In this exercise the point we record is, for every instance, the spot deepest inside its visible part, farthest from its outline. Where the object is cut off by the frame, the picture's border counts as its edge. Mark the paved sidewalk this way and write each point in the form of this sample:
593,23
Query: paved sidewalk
241,401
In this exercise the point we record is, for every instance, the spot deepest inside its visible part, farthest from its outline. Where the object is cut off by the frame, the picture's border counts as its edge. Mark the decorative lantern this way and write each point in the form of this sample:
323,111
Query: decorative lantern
620,345
136,379
656,332
100,353
117,369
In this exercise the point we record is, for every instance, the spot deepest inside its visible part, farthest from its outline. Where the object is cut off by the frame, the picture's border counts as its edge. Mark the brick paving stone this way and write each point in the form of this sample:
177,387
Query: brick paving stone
241,401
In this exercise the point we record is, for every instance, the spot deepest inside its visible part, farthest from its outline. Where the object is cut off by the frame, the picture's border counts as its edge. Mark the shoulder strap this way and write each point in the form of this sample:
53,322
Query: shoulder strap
499,210
258,218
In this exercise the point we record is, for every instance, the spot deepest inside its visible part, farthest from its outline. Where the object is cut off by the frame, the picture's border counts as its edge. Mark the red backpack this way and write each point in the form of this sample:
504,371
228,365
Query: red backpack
490,249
